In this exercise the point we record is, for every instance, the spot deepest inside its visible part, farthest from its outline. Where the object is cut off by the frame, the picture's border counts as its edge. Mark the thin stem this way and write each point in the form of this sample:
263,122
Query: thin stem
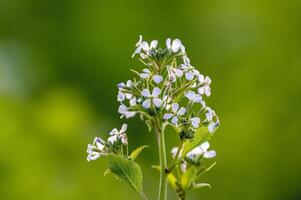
163,164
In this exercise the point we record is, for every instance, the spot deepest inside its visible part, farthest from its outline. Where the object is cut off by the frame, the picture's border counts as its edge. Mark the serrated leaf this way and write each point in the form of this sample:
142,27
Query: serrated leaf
137,151
200,136
127,170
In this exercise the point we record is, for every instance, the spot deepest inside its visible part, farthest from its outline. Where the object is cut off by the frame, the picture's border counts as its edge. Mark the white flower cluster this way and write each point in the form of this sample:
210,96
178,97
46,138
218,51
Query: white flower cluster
194,156
169,87
115,143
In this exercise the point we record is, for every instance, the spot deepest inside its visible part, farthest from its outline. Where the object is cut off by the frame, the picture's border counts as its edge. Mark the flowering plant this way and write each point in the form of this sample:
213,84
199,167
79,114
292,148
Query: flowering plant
168,92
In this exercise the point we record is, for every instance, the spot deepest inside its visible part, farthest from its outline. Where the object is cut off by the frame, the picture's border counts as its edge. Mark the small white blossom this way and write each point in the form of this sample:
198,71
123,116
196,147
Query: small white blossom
151,98
195,121
213,126
157,78
96,150
201,150
175,45
123,110
192,96
145,74
115,135
176,112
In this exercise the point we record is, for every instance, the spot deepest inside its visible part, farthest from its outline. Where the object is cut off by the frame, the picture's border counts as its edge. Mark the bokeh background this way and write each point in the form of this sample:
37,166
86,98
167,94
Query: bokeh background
60,61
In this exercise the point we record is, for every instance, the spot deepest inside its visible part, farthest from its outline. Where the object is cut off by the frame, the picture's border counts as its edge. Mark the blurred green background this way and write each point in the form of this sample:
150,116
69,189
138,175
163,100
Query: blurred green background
60,61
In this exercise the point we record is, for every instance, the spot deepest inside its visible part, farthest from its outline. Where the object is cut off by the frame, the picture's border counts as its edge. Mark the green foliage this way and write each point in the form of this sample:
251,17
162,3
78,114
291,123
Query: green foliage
200,136
126,170
137,151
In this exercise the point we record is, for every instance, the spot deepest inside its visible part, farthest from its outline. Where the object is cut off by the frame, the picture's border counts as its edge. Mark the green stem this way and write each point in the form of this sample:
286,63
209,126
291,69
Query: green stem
163,164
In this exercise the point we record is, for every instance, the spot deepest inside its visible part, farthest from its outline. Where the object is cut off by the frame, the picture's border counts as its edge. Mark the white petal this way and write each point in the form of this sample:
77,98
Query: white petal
209,116
181,111
189,75
183,49
158,102
178,72
144,75
168,43
201,78
153,44
207,80
156,92
146,70
209,154
146,104
120,96
133,101
93,156
112,139
201,90
186,61
176,45
100,146
157,78
145,93
138,50
114,132
197,98
174,120
175,107
123,128
205,146
190,95
145,46
122,109
195,122
130,114
207,91
167,116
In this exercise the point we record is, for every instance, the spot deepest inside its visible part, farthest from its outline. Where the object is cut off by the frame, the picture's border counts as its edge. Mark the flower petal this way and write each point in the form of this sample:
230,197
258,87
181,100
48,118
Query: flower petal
167,116
153,44
181,111
174,120
145,93
189,75
156,92
168,43
176,45
114,132
205,146
158,102
175,107
146,104
195,122
145,46
157,78
123,128
209,154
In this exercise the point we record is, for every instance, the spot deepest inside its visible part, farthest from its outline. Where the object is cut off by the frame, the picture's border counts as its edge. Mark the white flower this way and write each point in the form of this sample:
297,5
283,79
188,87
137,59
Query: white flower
157,78
186,60
201,150
145,74
195,121
151,98
175,113
138,45
204,90
115,135
124,95
175,45
192,96
96,150
213,126
123,110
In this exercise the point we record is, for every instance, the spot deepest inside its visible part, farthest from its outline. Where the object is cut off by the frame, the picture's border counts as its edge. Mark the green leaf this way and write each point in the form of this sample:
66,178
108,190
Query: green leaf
126,170
188,177
137,151
200,136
